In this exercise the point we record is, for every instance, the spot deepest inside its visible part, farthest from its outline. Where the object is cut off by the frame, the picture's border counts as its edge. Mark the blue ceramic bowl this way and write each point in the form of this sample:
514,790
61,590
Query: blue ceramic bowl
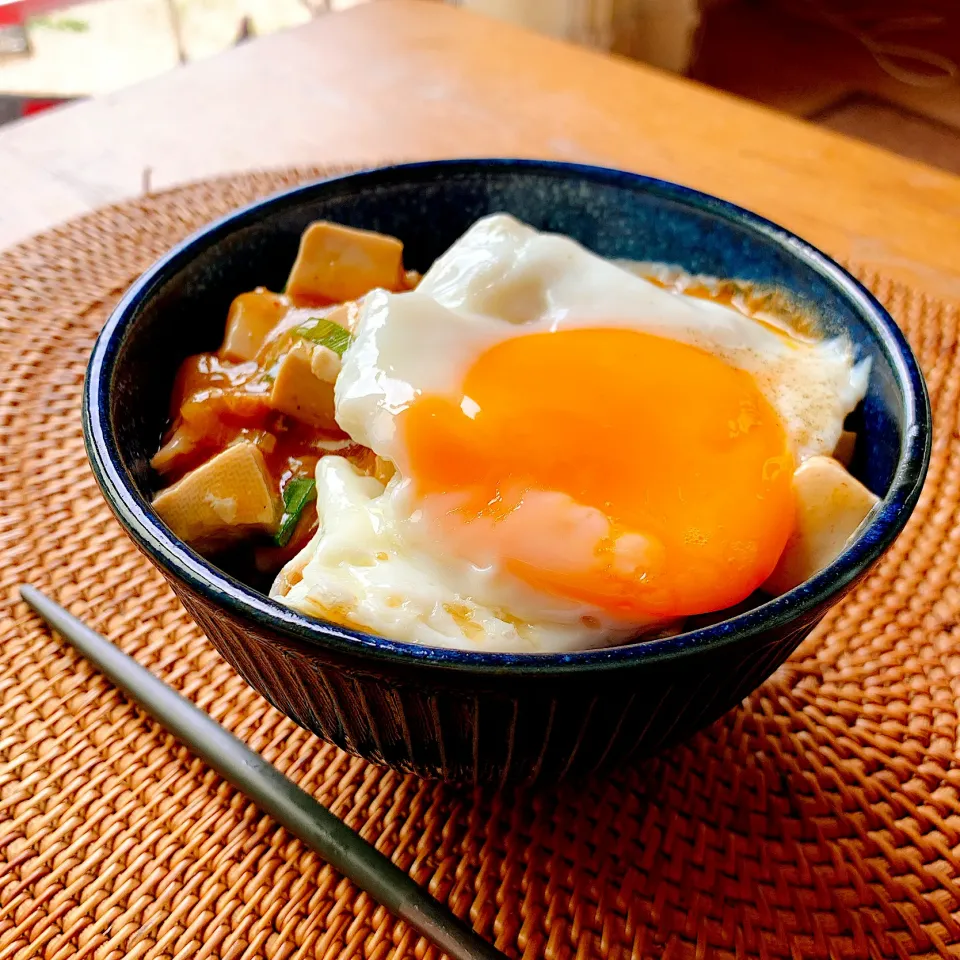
464,715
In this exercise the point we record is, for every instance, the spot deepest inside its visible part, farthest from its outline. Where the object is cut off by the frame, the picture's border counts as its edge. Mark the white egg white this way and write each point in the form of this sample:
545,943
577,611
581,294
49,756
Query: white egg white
367,568
371,566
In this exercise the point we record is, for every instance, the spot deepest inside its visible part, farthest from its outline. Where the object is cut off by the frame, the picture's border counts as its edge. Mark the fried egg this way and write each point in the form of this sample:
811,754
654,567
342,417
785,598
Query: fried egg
581,455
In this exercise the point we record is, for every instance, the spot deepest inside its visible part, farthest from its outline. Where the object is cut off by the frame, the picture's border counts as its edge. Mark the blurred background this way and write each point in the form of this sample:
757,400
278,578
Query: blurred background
881,70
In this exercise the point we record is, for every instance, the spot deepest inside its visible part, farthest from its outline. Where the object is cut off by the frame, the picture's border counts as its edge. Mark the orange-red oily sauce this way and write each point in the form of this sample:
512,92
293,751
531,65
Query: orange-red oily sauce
216,403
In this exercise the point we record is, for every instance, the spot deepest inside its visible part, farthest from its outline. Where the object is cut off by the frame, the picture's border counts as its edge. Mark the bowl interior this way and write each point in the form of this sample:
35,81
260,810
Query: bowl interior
179,308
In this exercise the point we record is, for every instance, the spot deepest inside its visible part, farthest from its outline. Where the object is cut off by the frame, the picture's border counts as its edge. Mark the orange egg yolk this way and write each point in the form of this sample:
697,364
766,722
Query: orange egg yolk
639,475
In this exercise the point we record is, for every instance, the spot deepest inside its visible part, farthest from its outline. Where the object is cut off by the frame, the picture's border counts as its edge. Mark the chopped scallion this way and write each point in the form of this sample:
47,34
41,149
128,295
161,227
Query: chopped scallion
296,495
327,334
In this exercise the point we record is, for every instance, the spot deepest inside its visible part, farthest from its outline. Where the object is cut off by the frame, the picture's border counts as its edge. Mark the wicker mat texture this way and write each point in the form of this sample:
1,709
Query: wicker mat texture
821,819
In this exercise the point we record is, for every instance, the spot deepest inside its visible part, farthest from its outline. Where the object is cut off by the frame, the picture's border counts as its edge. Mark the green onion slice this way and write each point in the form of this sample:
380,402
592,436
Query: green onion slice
327,334
296,495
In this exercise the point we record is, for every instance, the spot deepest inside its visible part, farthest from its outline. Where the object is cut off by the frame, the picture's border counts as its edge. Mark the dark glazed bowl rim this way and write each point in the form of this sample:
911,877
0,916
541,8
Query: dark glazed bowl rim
219,589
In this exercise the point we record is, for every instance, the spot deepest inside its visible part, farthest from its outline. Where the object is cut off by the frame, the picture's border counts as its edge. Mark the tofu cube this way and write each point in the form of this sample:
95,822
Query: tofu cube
299,392
338,263
830,505
251,318
324,363
222,500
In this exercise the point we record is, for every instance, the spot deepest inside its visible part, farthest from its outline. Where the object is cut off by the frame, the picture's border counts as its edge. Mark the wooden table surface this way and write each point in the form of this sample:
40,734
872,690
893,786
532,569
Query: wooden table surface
407,79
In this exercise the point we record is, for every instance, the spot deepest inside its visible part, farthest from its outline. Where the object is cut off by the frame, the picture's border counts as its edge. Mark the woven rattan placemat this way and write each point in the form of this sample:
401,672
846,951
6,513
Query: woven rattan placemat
821,819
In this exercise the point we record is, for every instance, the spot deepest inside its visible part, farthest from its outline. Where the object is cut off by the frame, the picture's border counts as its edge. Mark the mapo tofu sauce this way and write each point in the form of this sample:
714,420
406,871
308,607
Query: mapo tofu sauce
249,422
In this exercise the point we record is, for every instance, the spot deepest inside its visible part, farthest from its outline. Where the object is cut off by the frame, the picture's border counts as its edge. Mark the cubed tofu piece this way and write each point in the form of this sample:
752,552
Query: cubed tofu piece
338,263
222,500
830,505
251,318
325,364
299,392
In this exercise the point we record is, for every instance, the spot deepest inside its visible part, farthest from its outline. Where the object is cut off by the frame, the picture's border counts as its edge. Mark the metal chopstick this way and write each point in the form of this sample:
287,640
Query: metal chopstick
283,800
